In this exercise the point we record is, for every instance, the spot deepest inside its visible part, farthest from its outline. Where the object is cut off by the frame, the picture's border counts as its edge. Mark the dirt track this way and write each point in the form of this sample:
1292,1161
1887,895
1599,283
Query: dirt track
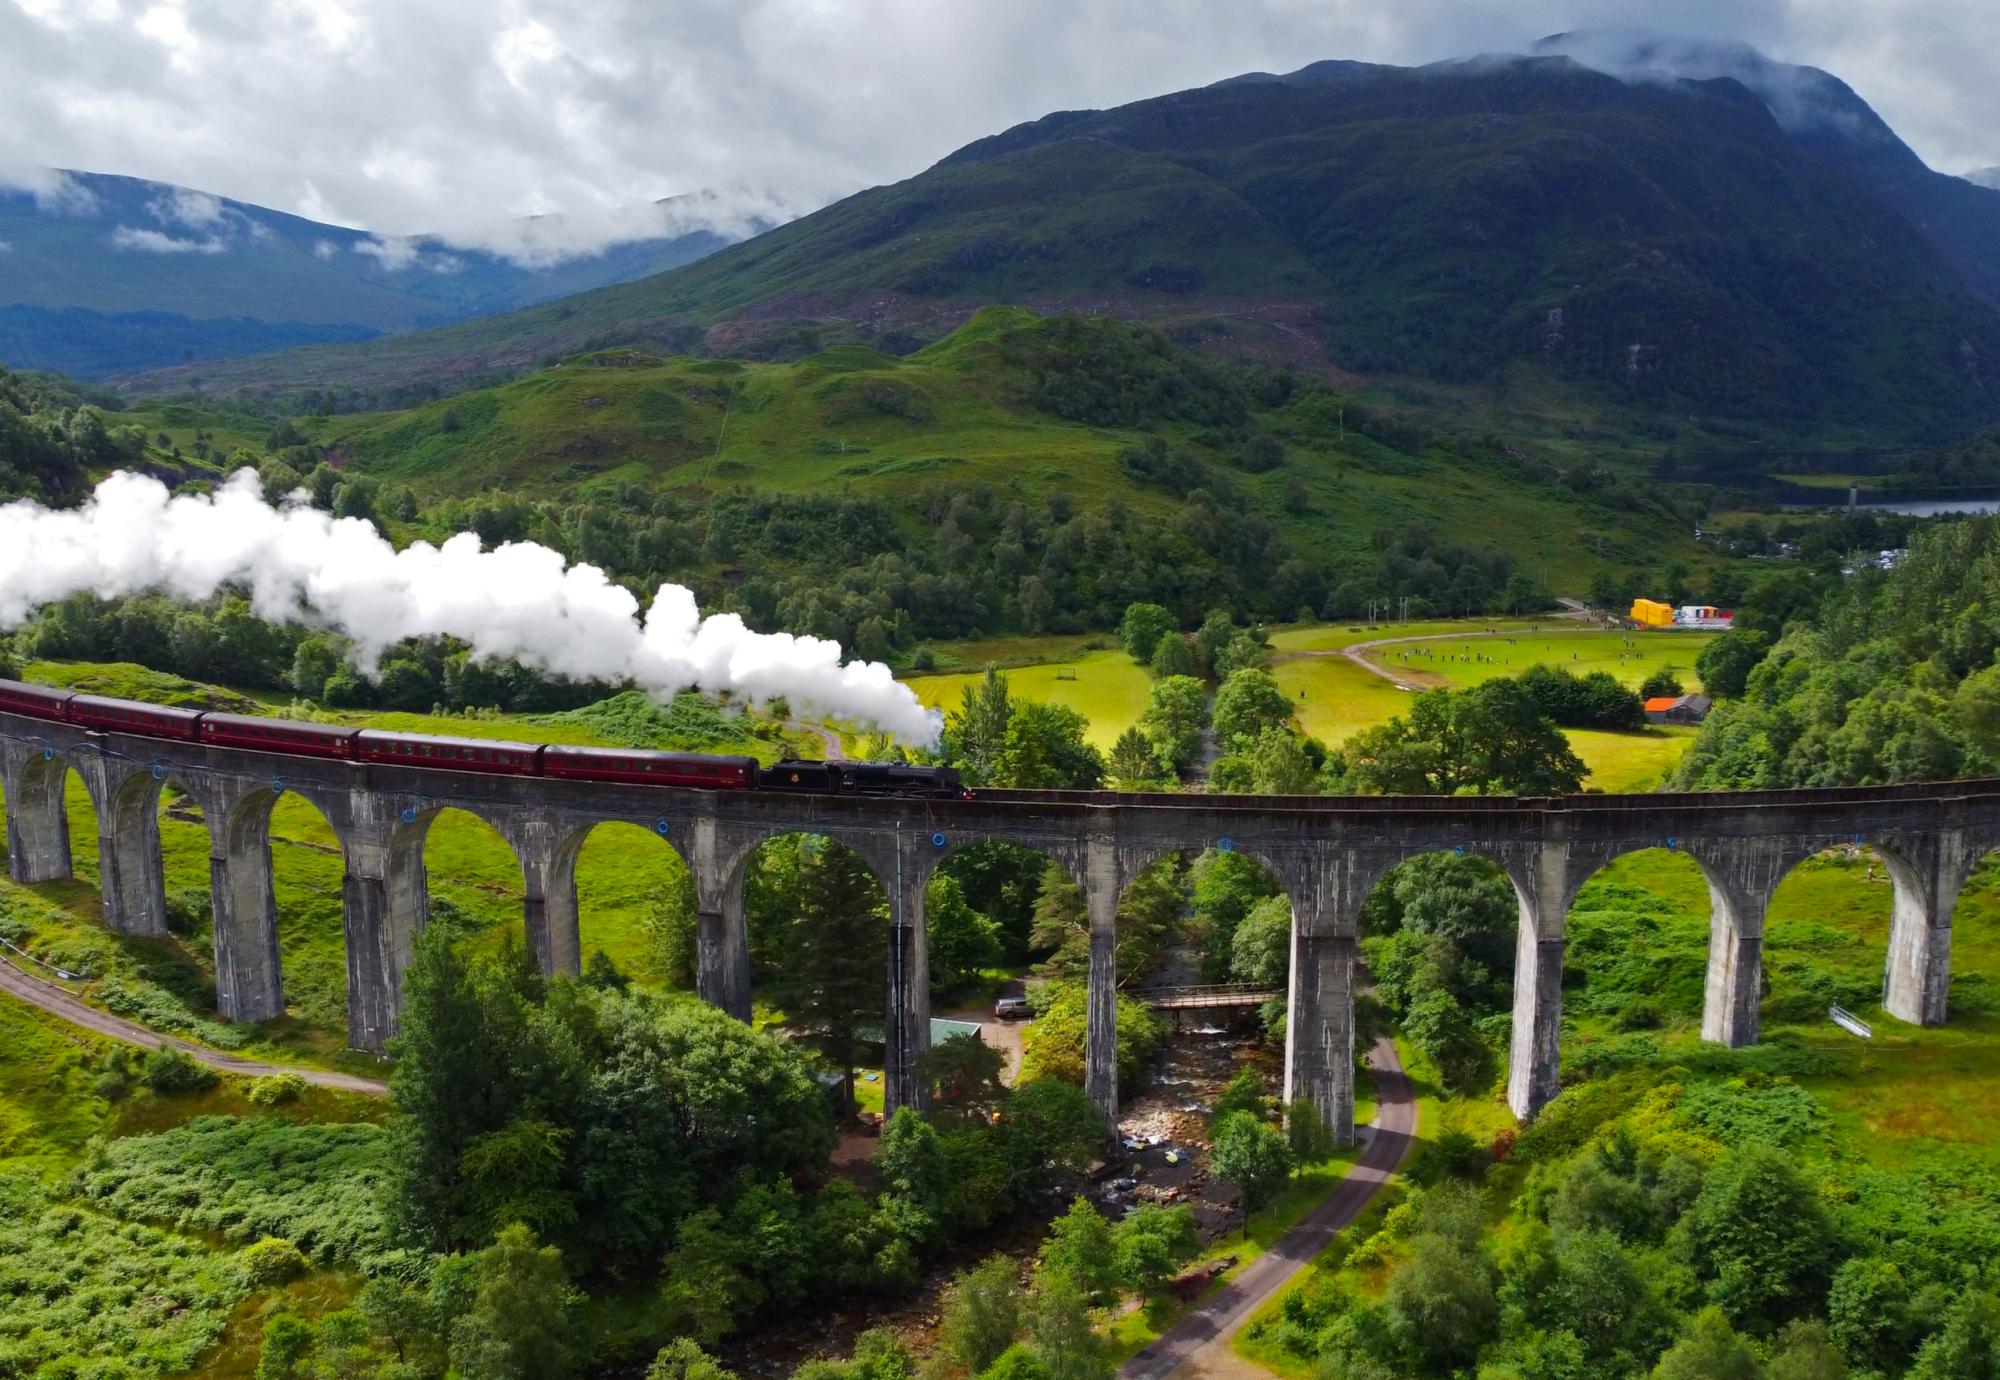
1198,1345
60,1003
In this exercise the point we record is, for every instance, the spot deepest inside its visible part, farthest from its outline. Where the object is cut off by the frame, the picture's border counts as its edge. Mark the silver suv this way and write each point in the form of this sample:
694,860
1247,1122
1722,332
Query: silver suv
1012,1009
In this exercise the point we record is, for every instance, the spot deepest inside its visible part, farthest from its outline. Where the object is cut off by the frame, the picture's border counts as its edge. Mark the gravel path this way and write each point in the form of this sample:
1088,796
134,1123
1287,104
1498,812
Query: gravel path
61,1003
1198,1345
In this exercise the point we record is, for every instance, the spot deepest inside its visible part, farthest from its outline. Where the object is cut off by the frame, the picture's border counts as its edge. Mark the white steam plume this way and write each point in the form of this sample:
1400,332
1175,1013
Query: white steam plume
519,600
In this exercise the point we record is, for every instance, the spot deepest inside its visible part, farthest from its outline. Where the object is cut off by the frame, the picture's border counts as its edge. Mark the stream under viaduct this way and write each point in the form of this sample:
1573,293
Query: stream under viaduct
1325,852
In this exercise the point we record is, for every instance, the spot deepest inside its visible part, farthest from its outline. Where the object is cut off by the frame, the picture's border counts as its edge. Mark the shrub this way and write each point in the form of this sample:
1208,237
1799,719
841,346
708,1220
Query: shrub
320,1186
88,1294
170,1071
277,1090
1453,1155
273,1261
114,1080
189,910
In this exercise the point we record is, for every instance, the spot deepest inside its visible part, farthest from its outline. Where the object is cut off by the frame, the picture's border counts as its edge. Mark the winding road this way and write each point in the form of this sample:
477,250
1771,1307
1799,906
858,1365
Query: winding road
1198,1345
1357,652
61,1003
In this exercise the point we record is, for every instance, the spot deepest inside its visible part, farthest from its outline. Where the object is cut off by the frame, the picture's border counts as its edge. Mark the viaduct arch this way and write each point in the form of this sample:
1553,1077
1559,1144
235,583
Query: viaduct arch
1326,853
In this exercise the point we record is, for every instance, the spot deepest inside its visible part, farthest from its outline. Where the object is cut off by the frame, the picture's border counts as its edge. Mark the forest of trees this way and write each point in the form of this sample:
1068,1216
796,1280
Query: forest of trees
1885,676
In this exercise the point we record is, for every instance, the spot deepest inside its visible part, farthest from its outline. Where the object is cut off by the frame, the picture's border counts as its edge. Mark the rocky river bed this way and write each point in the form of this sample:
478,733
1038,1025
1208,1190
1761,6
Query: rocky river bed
1164,1132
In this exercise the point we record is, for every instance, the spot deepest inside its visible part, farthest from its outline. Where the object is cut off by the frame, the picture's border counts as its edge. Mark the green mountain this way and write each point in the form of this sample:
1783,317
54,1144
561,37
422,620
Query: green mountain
1958,217
105,274
1493,226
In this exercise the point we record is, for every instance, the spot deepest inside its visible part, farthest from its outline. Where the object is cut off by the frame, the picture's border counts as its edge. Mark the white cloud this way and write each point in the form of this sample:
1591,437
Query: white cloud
6,247
195,210
324,250
52,189
153,242
394,255
458,118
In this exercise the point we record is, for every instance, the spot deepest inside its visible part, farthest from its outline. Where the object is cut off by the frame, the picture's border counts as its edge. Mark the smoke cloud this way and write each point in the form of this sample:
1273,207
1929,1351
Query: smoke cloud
519,600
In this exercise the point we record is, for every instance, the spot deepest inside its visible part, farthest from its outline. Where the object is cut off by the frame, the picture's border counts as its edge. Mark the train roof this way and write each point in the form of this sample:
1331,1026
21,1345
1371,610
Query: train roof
289,725
46,692
174,711
692,758
382,735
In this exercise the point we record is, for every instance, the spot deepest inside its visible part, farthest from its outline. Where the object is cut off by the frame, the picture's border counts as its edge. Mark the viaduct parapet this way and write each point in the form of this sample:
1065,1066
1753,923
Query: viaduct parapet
1327,853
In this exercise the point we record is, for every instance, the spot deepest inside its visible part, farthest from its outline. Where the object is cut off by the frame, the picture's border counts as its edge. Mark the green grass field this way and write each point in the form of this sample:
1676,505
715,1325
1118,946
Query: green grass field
1462,662
1109,689
1904,1093
1333,698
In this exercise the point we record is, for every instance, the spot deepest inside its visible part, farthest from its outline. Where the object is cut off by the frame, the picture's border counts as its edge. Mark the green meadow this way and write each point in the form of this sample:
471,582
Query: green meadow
1466,661
1333,699
1106,687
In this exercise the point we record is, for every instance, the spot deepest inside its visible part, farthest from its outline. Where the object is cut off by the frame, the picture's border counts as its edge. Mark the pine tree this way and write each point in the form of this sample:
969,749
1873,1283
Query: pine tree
831,955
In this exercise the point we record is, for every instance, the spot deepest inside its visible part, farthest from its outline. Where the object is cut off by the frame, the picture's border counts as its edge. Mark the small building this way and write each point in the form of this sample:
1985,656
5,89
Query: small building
1704,617
941,1030
1678,709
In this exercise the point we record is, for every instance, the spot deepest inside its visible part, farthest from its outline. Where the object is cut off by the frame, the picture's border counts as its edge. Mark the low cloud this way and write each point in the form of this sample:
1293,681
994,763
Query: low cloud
52,188
192,209
535,130
544,241
324,250
153,242
1798,98
394,255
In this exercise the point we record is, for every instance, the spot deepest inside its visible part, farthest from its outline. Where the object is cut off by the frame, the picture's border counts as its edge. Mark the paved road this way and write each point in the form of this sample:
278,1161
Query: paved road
1198,1345
58,1002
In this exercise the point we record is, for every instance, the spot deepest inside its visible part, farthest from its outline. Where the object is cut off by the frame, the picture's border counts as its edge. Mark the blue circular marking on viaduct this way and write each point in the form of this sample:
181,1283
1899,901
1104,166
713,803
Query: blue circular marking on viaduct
277,785
159,771
937,840
1225,845
661,826
408,814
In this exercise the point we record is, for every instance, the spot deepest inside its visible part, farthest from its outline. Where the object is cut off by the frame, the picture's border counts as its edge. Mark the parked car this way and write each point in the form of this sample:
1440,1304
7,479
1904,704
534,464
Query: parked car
1012,1009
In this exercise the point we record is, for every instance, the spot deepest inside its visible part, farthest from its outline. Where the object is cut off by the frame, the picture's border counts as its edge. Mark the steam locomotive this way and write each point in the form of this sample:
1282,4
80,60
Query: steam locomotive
618,765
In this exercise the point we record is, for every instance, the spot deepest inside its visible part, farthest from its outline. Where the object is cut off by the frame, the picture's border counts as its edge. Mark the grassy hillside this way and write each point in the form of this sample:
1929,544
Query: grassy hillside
1012,404
1665,244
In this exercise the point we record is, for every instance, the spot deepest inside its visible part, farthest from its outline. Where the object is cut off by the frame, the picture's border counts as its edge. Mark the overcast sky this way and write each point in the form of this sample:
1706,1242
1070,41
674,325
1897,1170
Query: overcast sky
455,115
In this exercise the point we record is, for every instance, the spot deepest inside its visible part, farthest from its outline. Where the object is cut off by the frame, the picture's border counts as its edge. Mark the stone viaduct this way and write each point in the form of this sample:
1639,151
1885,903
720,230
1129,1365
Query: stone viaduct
1325,852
